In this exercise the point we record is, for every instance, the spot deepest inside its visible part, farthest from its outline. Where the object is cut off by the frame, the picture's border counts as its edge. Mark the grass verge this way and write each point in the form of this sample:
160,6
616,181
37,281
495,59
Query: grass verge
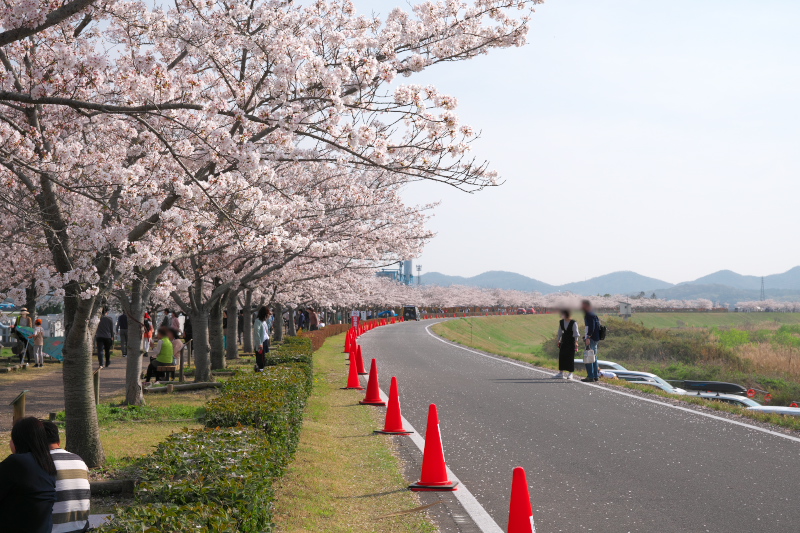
343,478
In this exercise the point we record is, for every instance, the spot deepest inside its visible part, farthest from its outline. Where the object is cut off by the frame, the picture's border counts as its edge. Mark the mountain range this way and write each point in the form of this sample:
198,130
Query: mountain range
724,286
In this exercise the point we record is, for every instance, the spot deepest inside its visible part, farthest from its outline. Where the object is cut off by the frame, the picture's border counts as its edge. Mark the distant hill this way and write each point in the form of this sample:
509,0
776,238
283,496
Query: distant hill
616,283
724,286
494,279
789,280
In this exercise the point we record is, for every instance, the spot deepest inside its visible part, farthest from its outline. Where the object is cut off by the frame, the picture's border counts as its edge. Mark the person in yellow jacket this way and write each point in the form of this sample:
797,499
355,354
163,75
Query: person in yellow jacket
161,354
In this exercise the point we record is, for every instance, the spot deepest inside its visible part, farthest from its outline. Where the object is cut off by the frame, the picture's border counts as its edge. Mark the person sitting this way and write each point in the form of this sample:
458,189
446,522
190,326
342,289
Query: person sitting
161,354
177,344
27,480
73,493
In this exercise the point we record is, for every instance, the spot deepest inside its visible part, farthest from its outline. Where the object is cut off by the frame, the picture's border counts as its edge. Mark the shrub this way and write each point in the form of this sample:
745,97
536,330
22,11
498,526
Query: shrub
205,480
318,337
272,400
220,479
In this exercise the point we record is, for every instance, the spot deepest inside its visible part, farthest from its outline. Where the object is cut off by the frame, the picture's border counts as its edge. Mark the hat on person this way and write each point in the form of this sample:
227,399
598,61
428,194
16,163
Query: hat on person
24,311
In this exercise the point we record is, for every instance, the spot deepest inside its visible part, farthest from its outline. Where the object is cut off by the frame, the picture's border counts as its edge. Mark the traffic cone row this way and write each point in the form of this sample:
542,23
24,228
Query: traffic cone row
434,476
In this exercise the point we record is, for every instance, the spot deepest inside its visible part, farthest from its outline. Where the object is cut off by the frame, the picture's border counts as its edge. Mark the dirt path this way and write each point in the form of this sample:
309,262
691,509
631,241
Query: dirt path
46,388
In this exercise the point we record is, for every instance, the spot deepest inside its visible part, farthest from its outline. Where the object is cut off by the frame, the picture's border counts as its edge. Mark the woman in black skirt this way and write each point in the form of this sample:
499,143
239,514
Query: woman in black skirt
568,336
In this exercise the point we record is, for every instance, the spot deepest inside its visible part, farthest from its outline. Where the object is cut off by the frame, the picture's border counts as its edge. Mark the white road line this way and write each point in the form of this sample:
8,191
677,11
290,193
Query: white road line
475,510
621,393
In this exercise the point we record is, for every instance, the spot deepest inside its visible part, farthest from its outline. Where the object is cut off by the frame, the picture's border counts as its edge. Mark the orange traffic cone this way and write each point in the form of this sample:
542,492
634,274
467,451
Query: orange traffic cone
360,361
520,515
434,469
373,396
348,339
352,378
393,425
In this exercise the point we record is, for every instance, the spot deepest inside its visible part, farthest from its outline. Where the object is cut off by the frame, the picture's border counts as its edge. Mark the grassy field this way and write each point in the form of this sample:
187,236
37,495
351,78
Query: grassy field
128,432
344,478
759,350
523,335
706,320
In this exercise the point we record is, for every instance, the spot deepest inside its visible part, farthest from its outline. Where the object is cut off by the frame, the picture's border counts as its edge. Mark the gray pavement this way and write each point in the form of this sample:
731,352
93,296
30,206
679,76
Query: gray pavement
596,461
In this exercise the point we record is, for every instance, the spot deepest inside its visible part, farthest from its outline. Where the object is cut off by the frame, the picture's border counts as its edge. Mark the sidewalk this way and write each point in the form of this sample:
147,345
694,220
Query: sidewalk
46,389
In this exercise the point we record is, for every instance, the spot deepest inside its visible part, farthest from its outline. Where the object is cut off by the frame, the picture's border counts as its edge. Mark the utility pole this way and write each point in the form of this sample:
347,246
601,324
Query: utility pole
419,269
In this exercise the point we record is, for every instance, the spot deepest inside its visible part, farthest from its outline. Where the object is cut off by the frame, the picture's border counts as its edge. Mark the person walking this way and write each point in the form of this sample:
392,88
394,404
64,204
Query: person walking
23,320
568,336
187,335
592,338
313,319
122,330
27,480
73,493
147,333
175,322
38,343
104,337
261,338
166,319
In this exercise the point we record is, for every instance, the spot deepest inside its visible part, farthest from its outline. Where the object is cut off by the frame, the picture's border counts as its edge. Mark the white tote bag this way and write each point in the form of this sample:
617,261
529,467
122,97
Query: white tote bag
589,356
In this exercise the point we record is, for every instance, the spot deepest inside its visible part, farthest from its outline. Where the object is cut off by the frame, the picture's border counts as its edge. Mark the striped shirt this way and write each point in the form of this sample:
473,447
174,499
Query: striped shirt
71,510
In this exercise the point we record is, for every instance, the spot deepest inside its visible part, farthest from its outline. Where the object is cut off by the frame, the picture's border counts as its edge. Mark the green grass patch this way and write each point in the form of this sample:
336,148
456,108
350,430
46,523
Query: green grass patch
175,410
344,478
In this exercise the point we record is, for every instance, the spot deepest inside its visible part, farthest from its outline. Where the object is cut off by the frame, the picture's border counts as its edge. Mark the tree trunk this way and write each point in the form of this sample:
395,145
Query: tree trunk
133,370
202,358
247,335
30,299
232,351
82,429
215,335
278,325
292,325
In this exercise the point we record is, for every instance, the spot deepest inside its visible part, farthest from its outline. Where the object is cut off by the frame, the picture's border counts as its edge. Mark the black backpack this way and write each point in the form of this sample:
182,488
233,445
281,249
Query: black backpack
603,331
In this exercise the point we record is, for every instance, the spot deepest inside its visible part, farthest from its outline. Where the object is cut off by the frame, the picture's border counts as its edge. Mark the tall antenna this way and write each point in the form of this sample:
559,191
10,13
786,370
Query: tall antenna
763,296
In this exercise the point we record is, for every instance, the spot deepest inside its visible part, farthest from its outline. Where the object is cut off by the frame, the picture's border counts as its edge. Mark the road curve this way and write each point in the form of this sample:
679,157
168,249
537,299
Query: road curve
596,460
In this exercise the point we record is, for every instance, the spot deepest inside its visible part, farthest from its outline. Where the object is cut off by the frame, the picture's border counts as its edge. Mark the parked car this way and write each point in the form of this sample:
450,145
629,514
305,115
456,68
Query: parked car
776,409
7,306
521,311
410,312
734,399
603,365
388,313
712,386
531,311
646,378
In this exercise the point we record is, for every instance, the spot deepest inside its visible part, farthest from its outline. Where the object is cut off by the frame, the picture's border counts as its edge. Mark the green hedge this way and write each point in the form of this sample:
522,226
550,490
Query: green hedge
220,478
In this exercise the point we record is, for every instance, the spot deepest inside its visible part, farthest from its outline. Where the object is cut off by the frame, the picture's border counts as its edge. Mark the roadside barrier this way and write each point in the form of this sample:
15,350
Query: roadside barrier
360,361
520,514
373,396
352,379
434,469
393,425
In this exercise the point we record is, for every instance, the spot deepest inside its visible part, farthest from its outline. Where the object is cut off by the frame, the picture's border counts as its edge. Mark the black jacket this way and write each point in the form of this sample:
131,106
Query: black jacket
27,494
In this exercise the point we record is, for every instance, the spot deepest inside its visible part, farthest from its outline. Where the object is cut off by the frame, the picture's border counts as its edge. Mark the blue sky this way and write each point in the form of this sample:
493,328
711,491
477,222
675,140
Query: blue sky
660,137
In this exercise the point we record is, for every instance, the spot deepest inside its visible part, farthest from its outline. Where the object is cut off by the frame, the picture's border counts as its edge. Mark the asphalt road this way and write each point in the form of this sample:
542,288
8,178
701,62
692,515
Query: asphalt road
596,460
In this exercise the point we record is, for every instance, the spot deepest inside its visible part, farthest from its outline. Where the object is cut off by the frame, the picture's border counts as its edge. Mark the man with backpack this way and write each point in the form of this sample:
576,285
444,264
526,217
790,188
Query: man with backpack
592,338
